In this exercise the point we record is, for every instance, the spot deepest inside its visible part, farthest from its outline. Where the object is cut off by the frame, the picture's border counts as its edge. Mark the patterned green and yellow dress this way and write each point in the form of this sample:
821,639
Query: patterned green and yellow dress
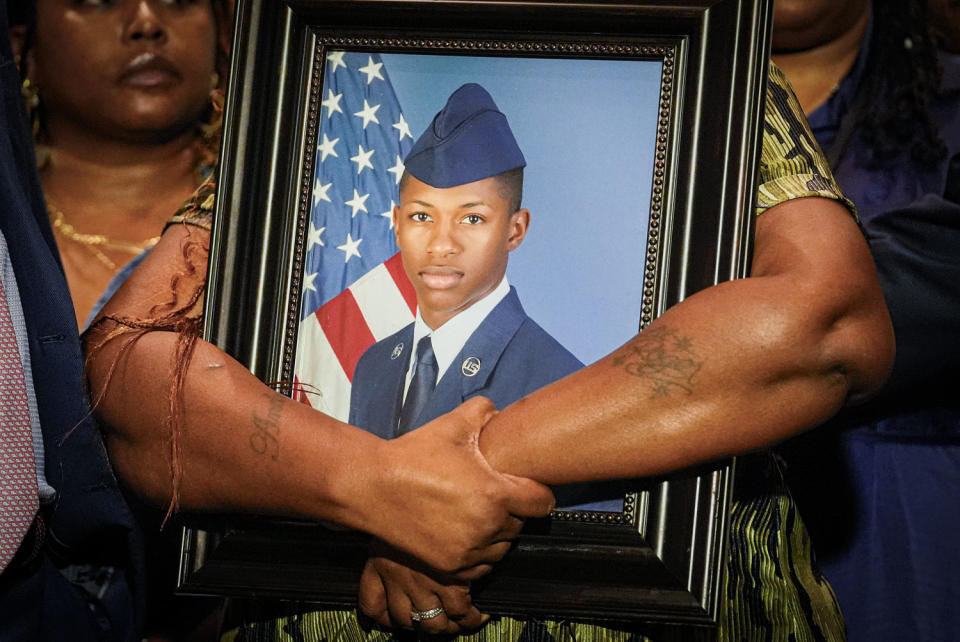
772,590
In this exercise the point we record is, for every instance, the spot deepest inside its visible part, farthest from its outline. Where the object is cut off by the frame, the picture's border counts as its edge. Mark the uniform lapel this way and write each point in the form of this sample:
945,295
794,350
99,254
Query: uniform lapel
384,408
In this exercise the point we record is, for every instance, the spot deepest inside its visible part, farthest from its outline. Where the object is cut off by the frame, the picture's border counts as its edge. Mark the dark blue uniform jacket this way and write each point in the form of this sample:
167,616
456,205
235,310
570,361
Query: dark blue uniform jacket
514,355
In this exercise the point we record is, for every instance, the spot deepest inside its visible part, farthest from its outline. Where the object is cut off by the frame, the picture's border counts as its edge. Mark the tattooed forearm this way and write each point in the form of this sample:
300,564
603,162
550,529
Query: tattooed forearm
264,440
662,357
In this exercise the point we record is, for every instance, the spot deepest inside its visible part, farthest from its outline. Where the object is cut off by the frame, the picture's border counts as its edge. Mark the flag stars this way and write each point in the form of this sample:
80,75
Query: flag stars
349,248
403,128
314,237
397,170
328,148
362,159
336,60
389,213
320,191
357,203
308,282
368,114
372,70
332,103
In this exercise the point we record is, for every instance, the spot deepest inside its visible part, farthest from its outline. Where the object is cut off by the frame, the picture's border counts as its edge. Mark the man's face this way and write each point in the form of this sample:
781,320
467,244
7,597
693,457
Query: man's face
454,243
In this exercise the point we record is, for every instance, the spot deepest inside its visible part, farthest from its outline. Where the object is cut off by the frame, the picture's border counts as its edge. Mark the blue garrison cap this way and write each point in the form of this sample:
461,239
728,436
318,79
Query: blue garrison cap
468,140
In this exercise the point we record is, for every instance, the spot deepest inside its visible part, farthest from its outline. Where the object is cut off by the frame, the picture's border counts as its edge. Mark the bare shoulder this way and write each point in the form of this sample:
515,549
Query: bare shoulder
171,277
810,227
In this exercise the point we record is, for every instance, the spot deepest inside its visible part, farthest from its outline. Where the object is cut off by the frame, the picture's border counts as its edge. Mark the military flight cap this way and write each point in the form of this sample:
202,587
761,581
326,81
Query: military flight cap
468,140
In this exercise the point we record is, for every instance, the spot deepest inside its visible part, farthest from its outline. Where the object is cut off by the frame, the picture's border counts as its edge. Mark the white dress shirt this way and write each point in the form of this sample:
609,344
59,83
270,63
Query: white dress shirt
448,339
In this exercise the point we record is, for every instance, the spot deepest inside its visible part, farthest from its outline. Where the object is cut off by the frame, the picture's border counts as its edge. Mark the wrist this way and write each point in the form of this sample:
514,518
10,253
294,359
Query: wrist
354,478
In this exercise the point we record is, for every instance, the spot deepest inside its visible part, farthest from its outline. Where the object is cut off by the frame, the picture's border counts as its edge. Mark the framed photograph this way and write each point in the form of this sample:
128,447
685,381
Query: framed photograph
640,126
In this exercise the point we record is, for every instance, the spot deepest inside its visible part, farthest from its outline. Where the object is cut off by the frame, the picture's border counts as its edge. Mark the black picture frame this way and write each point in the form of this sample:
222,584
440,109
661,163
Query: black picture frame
661,559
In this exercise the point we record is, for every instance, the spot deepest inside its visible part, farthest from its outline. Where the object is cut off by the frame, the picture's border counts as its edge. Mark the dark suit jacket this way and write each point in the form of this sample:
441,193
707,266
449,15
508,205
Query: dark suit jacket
516,356
89,521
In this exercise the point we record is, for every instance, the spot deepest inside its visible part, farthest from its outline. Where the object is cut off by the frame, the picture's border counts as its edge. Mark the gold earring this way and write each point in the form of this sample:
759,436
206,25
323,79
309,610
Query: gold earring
31,97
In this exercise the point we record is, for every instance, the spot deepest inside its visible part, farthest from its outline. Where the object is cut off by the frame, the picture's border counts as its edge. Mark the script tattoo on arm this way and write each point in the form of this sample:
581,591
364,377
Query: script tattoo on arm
263,440
662,357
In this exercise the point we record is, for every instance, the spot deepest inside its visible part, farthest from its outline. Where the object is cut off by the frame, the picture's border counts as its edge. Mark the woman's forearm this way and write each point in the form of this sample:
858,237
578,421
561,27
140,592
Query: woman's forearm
238,446
731,369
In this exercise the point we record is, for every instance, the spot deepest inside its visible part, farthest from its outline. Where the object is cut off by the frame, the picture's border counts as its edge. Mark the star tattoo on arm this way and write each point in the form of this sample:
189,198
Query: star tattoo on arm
664,358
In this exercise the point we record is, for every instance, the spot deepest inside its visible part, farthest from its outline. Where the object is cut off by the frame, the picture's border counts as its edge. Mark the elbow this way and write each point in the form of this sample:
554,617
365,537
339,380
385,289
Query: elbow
871,359
138,472
858,345
836,326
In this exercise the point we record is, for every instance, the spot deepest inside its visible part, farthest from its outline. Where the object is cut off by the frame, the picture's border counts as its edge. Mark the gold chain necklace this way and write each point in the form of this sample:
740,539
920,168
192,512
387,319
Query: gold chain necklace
96,243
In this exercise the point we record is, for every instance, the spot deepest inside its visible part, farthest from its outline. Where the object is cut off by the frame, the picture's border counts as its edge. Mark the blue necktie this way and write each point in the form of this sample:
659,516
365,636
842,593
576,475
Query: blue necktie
422,384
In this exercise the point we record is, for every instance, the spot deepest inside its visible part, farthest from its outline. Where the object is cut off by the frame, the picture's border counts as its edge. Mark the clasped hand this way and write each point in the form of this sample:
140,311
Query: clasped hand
394,586
449,517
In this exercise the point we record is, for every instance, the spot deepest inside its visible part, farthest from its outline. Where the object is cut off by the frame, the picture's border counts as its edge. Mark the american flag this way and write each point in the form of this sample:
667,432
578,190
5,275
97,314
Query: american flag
354,289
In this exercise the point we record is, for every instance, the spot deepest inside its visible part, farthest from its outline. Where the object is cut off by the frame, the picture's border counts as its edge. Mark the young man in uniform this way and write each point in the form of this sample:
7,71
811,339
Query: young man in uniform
459,218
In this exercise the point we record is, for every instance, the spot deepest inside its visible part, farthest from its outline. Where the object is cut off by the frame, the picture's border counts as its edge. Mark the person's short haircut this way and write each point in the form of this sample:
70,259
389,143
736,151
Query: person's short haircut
511,187
509,183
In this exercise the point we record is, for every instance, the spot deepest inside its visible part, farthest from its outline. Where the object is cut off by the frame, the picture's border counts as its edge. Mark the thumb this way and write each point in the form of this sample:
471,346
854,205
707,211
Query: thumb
476,412
479,409
527,498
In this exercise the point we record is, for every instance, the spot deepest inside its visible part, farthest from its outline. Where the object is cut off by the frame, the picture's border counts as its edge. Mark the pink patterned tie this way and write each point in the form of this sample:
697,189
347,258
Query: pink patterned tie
19,500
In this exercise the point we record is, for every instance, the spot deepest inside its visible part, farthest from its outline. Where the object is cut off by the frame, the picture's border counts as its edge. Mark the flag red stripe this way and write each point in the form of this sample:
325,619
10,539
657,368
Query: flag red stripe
395,267
299,393
346,330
